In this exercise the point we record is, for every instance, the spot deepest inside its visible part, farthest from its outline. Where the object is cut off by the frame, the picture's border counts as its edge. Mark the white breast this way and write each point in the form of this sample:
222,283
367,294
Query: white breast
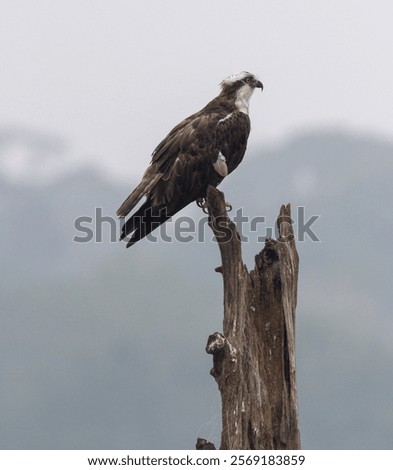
243,98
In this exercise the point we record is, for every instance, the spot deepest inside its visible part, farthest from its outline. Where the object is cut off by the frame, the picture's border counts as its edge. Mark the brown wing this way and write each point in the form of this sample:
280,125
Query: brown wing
182,163
185,158
179,136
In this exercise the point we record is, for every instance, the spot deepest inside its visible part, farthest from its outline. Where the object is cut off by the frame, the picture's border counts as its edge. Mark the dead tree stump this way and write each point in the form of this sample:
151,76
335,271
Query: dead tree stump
254,358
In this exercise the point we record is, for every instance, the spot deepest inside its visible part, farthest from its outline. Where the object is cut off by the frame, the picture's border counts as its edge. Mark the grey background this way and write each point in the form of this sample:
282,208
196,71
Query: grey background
103,347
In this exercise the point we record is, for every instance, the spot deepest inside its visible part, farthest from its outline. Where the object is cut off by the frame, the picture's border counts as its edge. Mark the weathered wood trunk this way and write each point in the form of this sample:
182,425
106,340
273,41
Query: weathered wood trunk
254,358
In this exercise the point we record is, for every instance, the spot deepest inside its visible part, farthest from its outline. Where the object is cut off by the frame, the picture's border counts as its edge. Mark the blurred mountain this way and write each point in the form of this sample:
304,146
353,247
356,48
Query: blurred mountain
103,347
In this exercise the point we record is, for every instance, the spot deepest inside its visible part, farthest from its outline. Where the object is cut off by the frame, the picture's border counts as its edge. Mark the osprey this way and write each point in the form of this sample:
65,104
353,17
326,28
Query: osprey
200,151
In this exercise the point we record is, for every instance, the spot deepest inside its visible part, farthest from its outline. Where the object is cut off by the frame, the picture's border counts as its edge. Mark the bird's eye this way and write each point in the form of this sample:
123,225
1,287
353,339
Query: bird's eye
248,80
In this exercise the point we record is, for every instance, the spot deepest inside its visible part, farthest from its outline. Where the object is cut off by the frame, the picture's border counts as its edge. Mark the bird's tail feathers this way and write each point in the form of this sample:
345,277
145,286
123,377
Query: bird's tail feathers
144,221
148,182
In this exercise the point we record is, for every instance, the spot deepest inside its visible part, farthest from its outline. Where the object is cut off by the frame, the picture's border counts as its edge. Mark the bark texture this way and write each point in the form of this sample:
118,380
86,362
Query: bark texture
254,357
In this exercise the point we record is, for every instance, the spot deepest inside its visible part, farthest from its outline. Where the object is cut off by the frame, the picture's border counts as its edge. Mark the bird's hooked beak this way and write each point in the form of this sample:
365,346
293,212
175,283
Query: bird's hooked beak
258,84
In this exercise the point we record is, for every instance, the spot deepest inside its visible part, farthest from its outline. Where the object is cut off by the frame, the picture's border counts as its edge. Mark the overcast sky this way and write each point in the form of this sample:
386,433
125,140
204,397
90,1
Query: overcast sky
111,78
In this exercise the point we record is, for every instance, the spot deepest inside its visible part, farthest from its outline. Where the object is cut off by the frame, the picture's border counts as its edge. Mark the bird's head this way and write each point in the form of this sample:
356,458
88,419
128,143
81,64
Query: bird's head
240,87
240,80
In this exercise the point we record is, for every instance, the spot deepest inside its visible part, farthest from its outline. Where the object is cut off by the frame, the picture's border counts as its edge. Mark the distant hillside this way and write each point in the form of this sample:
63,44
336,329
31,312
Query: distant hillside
97,340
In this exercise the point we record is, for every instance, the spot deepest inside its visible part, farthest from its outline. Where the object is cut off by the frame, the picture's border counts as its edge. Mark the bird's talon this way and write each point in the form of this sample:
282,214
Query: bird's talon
201,202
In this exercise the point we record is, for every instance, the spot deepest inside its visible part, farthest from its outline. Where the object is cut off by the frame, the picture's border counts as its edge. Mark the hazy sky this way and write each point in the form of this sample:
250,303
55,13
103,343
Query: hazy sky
111,78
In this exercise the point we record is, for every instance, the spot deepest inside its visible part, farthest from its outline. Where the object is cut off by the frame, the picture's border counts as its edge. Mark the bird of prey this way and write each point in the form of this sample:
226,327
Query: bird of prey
200,151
